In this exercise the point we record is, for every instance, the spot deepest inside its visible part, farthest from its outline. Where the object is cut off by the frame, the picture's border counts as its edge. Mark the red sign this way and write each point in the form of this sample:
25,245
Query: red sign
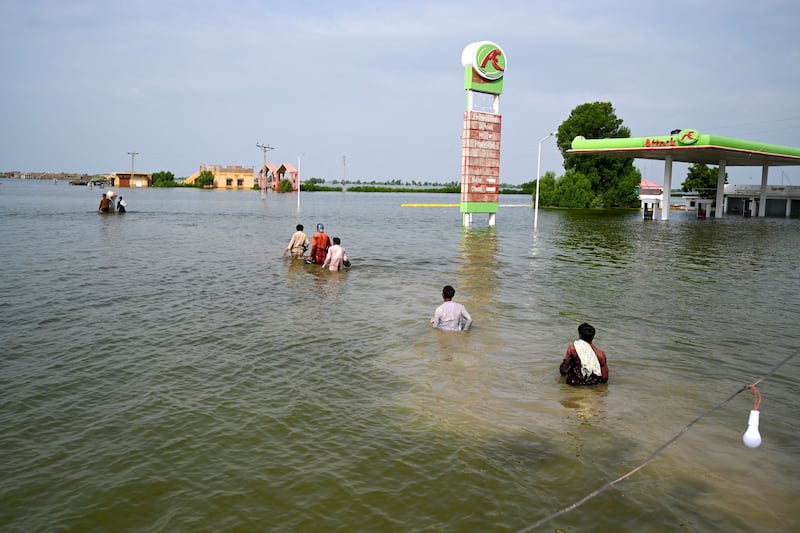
659,143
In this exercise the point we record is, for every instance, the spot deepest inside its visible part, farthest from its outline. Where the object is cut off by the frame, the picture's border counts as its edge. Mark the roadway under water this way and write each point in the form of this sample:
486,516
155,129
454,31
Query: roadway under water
168,370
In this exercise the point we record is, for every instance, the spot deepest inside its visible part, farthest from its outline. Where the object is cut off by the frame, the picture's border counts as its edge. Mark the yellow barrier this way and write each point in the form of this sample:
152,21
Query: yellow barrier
457,205
430,205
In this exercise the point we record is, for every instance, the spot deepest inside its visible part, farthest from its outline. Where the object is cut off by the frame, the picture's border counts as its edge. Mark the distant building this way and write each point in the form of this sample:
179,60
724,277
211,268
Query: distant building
651,196
130,179
745,200
778,200
274,175
230,177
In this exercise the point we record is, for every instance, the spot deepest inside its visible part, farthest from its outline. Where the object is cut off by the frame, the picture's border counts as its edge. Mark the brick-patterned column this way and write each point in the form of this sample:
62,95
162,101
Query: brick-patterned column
480,165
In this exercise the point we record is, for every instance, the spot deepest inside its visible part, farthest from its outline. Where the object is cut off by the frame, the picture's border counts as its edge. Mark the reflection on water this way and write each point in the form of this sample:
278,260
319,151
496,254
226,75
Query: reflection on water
586,402
169,370
597,239
479,271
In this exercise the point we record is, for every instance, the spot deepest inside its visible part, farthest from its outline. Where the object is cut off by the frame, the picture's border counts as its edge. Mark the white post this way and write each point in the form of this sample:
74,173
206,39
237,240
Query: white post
762,205
720,211
298,183
538,178
667,187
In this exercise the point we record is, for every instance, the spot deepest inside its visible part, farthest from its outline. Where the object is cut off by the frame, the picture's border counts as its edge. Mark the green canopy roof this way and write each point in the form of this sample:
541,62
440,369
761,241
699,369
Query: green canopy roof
689,146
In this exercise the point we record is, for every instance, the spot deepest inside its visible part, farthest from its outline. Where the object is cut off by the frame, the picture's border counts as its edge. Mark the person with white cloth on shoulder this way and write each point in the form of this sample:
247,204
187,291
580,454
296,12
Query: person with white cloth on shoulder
584,363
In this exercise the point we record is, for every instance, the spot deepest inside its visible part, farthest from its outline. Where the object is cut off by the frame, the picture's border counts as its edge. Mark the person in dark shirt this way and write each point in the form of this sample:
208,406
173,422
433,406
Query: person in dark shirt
584,363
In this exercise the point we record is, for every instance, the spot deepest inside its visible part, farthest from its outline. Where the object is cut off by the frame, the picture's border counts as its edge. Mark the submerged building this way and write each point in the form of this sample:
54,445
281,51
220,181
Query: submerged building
690,146
229,177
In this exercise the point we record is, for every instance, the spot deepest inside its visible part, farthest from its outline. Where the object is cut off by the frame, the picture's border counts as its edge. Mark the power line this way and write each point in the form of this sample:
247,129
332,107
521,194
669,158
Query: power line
655,453
265,148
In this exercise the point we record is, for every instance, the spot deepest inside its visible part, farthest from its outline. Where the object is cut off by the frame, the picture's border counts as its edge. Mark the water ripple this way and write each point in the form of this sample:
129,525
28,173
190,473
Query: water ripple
170,371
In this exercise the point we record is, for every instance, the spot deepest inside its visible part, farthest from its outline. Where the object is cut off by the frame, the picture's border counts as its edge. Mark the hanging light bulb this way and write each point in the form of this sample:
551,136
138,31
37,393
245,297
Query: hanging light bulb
751,437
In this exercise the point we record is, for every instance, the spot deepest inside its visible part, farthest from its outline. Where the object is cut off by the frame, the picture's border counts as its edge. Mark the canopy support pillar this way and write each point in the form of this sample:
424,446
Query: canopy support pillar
718,212
762,200
667,187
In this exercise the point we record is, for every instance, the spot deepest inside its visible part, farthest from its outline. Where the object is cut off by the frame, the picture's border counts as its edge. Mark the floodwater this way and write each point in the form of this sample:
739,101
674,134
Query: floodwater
167,370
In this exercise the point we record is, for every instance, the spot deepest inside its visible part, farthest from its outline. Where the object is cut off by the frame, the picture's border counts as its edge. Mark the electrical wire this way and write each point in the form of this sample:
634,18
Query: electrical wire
661,448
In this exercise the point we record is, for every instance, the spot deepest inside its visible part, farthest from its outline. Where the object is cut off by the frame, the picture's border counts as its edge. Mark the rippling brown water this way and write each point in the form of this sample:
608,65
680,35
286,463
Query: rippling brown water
168,370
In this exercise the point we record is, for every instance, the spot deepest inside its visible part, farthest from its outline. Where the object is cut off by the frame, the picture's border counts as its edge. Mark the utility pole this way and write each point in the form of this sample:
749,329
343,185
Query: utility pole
133,155
344,175
264,148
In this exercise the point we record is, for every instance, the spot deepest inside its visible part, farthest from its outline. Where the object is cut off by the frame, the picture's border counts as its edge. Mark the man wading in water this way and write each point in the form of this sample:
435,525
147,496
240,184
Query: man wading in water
584,363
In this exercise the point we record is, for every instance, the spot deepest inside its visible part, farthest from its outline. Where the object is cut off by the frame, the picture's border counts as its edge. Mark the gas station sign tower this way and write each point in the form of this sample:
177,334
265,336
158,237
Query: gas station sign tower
484,65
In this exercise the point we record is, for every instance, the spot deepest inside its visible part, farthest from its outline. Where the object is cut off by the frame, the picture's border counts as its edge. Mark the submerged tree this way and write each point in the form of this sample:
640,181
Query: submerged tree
702,179
593,180
285,185
164,179
547,190
205,179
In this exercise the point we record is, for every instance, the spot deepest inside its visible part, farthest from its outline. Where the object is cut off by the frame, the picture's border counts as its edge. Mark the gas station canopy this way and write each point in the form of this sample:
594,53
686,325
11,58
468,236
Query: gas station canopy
689,146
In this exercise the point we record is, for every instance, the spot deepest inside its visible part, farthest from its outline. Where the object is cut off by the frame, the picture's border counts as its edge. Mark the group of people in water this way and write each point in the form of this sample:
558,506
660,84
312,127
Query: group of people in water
324,251
583,364
107,203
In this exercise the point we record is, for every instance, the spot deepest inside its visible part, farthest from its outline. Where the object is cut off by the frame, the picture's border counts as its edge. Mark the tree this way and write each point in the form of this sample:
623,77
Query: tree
164,179
611,180
547,190
527,187
574,189
205,179
702,179
285,186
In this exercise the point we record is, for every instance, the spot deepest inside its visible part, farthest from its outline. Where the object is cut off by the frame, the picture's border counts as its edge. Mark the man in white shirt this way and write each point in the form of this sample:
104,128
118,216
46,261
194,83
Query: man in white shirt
451,316
337,257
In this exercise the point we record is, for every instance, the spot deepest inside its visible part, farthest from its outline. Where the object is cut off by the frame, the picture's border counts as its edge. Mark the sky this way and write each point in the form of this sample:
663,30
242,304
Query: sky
374,90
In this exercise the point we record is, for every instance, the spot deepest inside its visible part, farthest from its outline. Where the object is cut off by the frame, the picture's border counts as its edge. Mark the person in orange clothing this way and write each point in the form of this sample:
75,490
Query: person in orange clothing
320,243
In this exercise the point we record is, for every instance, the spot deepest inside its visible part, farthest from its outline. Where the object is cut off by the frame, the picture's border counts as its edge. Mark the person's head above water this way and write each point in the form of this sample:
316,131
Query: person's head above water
448,292
299,227
586,332
337,240
320,227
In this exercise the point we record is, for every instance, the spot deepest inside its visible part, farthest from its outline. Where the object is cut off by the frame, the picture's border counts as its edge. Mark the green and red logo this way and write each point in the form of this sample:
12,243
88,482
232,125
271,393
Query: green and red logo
487,58
688,136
